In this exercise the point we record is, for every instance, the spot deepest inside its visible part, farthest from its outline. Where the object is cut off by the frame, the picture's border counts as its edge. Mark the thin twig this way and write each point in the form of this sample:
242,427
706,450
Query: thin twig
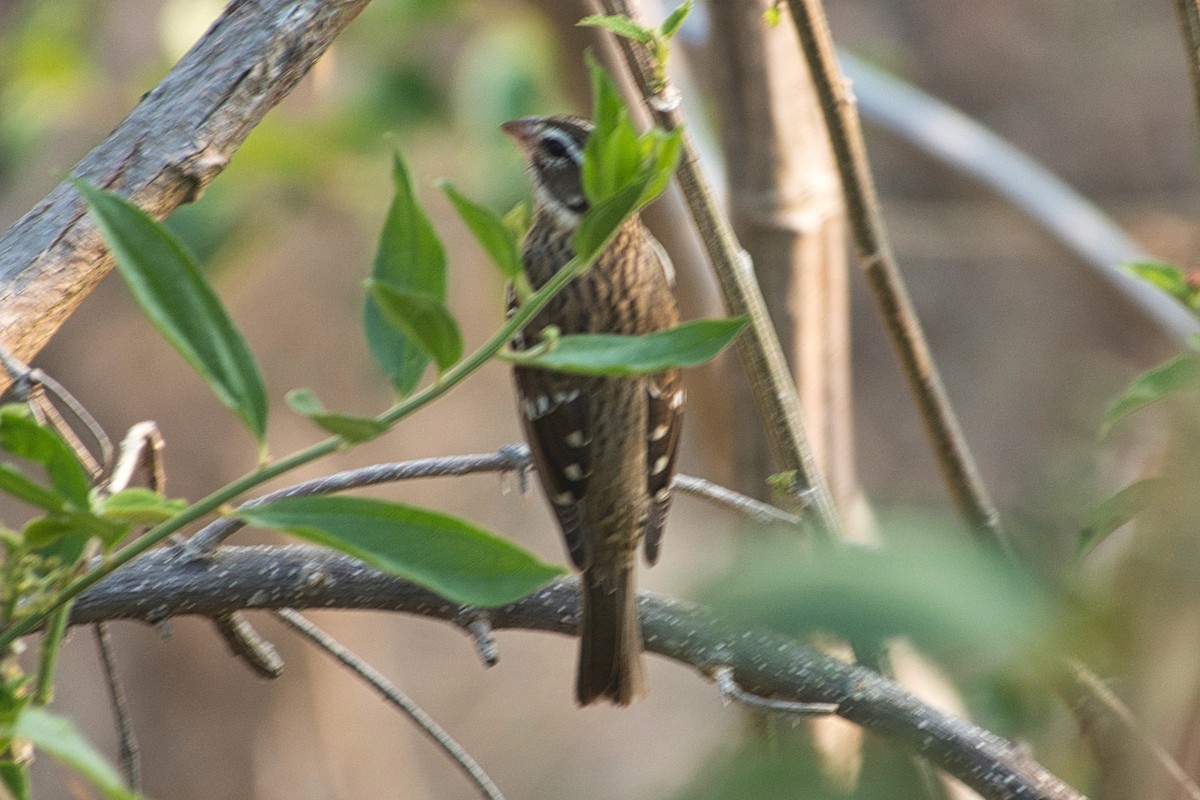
128,747
249,645
436,733
480,628
883,275
760,512
732,693
1089,696
507,458
164,583
1189,24
951,137
758,347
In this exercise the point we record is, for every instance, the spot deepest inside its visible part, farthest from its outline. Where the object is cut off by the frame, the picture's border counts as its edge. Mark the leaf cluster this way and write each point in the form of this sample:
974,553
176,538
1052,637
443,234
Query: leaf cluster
83,532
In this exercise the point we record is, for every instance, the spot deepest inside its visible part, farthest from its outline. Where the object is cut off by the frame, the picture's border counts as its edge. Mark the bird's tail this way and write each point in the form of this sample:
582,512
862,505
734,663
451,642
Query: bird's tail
610,639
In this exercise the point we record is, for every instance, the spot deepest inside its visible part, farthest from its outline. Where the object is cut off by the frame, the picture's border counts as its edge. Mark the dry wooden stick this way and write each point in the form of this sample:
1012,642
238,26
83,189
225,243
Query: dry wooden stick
178,138
883,275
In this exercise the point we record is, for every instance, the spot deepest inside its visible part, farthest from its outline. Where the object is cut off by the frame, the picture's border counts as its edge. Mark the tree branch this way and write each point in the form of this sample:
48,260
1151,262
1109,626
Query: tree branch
883,275
178,138
758,347
170,582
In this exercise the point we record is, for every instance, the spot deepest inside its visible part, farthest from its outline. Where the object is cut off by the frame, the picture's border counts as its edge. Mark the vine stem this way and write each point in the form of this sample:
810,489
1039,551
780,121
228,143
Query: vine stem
214,501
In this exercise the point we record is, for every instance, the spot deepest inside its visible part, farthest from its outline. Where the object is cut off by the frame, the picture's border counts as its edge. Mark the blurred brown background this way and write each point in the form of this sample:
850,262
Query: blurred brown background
1031,345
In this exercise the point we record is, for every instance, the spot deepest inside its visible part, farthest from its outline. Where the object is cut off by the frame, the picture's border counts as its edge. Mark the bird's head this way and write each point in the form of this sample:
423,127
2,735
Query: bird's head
553,148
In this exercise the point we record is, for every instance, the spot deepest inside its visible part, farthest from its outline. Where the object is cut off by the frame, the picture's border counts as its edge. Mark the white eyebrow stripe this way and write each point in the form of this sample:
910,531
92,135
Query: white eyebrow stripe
568,143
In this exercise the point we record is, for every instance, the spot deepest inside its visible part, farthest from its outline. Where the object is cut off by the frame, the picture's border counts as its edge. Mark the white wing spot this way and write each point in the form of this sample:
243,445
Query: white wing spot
662,495
566,498
653,389
659,465
576,439
659,432
562,398
677,400
573,472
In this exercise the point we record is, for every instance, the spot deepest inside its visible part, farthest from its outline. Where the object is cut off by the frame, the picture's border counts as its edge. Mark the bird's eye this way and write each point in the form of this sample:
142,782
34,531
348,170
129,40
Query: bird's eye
554,147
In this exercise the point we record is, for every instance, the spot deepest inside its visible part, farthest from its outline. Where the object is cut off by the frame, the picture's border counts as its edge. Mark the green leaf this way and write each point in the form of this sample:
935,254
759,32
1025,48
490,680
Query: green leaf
23,437
489,230
1168,277
664,150
517,220
139,506
453,558
687,345
15,779
65,534
1119,509
56,735
411,258
612,156
171,290
1181,373
422,319
351,428
675,19
15,483
929,583
620,25
603,218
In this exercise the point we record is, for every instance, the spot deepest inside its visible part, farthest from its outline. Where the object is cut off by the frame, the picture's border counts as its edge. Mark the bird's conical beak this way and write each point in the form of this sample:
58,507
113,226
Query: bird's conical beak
520,130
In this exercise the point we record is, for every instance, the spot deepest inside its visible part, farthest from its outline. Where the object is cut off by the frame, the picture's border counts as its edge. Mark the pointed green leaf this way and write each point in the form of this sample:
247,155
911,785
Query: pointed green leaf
23,437
517,220
56,735
611,155
1119,509
65,534
15,779
171,290
351,428
675,19
662,159
17,484
1181,373
463,563
603,218
411,258
489,230
1168,277
687,345
422,319
620,25
139,506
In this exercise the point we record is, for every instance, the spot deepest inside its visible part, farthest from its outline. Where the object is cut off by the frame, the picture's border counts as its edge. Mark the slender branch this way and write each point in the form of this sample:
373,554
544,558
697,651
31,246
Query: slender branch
227,493
758,347
128,752
883,275
732,693
167,583
177,139
508,458
248,645
1189,24
1107,721
951,137
505,459
435,732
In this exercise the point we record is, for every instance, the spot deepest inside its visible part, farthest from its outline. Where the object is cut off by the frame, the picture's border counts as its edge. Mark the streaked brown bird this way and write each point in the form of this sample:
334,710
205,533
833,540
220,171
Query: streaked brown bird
605,447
